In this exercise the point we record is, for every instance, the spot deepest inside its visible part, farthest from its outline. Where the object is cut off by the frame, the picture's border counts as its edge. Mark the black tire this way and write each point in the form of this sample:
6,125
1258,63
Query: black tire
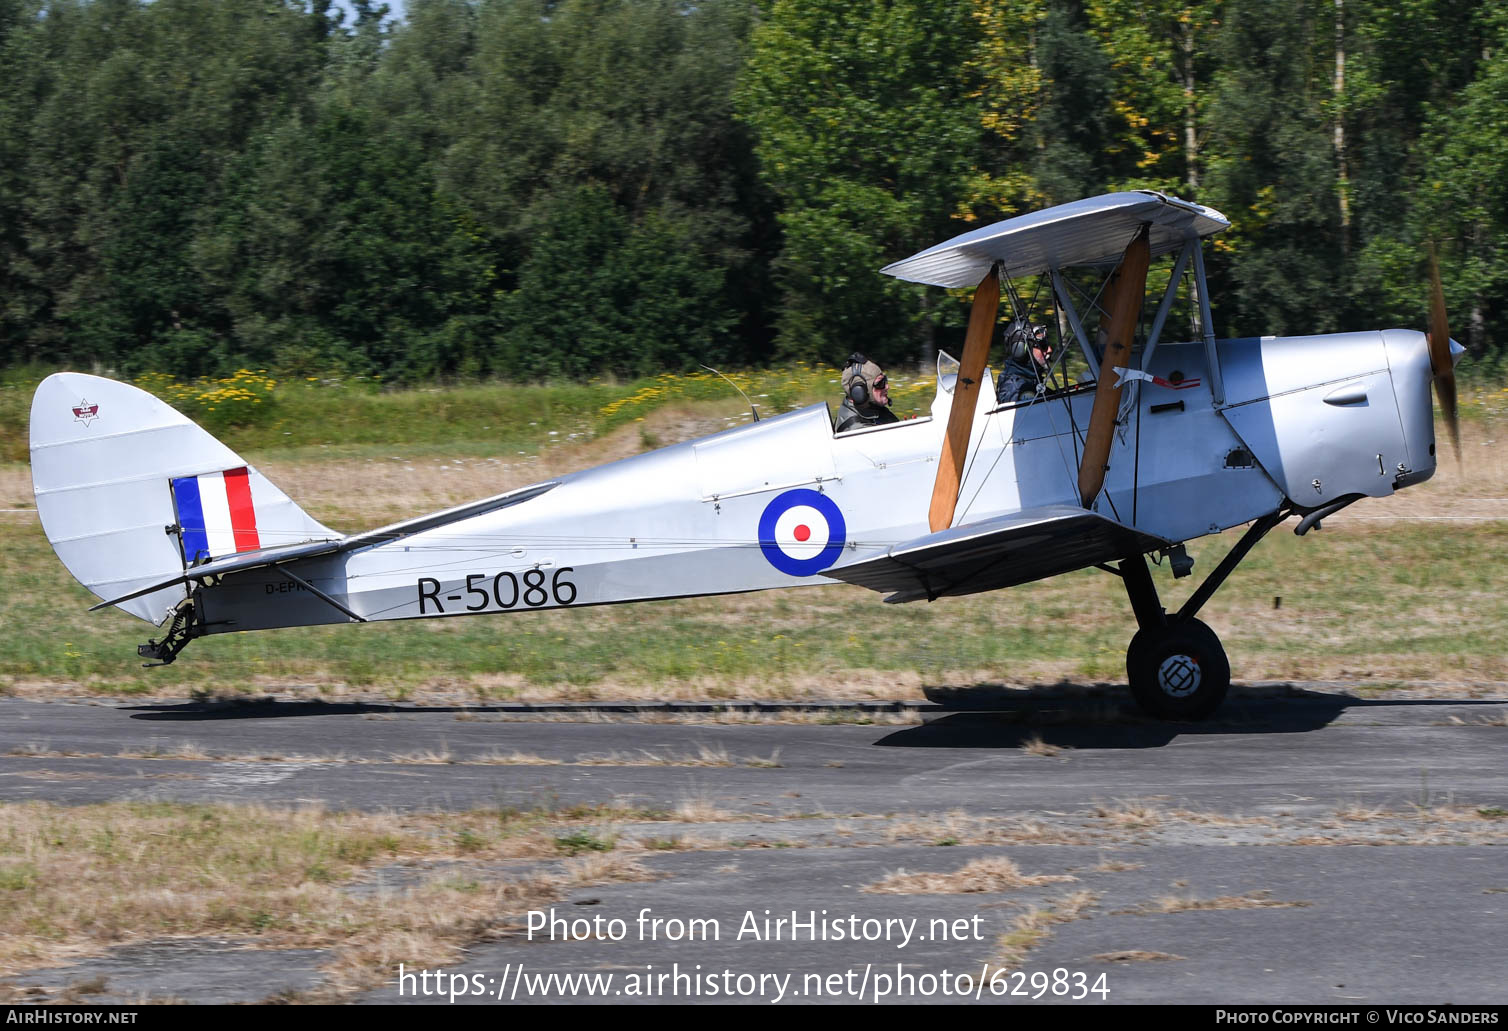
1178,671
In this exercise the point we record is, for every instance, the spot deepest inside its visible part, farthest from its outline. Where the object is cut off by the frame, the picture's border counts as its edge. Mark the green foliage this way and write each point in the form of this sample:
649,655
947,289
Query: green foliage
1160,62
1273,172
868,130
579,841
242,400
403,202
538,188
598,294
126,147
1076,128
1463,202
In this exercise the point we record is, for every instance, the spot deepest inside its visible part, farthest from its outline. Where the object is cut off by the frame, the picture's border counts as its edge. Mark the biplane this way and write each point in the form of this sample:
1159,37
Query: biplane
1154,443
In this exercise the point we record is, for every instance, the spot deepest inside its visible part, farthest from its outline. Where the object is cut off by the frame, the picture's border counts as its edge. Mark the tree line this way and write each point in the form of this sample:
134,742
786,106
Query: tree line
540,188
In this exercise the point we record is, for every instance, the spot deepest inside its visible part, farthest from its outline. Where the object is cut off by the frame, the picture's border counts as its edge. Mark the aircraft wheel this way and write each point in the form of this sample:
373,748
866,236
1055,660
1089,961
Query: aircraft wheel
1178,671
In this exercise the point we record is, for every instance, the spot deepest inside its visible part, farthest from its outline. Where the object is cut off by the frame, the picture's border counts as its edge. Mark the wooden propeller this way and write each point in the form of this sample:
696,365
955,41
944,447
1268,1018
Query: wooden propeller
1126,290
976,351
1440,361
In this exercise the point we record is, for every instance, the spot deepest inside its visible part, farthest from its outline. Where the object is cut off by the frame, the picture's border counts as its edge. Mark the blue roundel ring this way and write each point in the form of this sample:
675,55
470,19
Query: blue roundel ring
837,532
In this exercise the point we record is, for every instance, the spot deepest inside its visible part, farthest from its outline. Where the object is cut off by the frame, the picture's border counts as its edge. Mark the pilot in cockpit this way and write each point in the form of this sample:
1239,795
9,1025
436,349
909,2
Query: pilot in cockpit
1028,360
866,395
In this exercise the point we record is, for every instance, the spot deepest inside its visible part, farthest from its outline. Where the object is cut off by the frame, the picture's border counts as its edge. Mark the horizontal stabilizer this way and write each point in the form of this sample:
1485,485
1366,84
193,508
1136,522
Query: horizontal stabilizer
231,564
242,562
1001,552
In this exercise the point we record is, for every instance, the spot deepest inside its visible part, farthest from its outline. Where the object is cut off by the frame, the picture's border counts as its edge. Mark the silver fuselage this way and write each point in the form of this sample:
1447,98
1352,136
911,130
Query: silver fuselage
1306,420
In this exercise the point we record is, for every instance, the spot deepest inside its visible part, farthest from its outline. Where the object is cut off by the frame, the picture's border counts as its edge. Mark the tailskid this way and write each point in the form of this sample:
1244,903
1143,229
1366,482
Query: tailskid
184,626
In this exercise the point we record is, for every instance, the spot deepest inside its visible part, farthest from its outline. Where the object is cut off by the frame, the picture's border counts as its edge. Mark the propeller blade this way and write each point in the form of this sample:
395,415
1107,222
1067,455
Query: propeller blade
1440,361
976,351
1124,306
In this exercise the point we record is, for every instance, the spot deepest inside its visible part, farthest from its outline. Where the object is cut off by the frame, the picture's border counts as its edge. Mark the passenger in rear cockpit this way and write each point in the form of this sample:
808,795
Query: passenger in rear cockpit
866,396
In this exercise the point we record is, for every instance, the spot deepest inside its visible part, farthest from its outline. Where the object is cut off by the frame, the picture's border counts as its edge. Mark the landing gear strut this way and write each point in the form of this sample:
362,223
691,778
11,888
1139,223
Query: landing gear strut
1175,664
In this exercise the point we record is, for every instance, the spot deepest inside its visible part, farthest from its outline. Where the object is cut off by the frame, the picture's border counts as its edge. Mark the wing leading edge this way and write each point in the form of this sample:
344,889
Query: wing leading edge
1002,552
1092,231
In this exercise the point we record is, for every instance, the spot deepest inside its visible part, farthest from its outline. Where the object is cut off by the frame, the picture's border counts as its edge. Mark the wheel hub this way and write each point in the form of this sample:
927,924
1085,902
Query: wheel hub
1178,675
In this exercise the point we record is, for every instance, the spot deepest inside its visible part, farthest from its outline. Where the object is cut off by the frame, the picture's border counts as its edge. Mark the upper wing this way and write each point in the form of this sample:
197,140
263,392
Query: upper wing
1000,552
1092,231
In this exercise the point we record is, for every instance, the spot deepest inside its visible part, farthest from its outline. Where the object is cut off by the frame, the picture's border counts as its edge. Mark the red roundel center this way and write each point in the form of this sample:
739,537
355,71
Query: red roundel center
803,532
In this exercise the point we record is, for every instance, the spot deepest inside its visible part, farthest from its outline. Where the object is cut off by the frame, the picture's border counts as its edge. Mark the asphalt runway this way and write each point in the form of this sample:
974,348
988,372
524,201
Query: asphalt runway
1304,847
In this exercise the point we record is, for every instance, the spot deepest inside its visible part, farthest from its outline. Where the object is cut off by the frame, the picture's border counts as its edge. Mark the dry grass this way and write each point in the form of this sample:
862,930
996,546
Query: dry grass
1034,745
981,875
1143,814
155,750
74,880
1496,720
1455,814
1034,926
1028,831
1134,956
704,756
41,750
514,758
1205,818
1422,824
699,809
1133,815
707,756
954,827
957,827
430,926
427,757
603,868
1356,812
1183,904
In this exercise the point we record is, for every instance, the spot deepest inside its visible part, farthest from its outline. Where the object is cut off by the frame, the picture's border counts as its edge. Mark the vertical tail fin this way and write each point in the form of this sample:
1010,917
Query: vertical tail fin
130,492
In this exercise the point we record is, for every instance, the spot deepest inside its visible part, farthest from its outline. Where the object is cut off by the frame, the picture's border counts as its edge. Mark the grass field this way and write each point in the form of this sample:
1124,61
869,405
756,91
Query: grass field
74,880
376,889
1401,589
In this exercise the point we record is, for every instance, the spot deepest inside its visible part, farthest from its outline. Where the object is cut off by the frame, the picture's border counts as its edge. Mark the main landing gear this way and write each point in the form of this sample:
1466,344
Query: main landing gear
1175,664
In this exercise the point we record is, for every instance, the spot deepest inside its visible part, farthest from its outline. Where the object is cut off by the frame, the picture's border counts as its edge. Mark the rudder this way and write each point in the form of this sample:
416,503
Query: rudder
130,492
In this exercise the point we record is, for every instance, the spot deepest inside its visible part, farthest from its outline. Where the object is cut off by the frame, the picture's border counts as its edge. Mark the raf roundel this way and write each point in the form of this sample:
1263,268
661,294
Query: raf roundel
802,532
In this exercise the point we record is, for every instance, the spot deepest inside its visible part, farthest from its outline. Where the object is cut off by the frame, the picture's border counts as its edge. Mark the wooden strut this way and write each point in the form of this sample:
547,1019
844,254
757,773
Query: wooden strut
1126,290
976,352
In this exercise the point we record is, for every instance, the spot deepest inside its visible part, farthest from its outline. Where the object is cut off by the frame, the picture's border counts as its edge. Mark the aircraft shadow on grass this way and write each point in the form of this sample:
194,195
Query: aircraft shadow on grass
1070,716
978,716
